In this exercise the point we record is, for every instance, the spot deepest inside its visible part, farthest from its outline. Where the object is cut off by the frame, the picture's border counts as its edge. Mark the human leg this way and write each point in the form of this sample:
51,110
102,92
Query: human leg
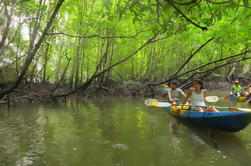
211,109
199,109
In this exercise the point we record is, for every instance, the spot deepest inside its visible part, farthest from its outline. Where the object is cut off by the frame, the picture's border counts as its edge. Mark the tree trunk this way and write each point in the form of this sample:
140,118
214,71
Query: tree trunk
96,74
32,54
8,22
45,61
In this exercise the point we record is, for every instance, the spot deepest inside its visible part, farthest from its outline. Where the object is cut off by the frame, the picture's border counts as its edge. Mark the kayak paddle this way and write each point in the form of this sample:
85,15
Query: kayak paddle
212,99
157,103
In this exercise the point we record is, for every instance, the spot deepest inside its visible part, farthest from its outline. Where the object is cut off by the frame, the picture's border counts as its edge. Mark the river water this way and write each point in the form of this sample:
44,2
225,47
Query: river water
113,132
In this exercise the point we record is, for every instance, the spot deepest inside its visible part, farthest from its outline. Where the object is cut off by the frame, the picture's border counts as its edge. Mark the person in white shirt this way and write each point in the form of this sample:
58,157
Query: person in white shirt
196,95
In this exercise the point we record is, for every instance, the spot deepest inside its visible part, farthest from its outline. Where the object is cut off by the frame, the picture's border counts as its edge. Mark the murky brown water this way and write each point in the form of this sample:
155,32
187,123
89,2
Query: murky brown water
112,132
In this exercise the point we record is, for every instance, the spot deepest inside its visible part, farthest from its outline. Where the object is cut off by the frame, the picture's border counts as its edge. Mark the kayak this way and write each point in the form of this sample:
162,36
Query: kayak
235,98
230,121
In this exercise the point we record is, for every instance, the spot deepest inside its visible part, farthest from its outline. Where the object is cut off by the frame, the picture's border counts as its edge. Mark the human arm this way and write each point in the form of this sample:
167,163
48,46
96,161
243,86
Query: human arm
169,96
183,94
231,91
249,90
188,95
205,94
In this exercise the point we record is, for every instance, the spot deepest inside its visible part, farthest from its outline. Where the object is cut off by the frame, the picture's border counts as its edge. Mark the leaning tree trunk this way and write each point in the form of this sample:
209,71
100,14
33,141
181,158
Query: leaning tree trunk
33,52
45,61
9,16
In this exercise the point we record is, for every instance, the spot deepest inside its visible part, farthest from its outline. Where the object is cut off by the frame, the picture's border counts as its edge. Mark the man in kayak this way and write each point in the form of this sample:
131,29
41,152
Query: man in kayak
196,95
174,94
237,90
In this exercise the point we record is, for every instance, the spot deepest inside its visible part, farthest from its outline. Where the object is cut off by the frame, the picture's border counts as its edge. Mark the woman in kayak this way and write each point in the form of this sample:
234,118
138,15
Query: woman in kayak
248,91
248,94
175,95
196,95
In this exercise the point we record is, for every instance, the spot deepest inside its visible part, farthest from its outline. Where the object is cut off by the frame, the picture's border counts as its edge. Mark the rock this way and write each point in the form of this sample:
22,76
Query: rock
120,146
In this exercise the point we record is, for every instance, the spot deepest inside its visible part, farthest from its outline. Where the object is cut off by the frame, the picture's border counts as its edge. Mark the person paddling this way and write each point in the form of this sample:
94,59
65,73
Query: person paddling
164,89
174,94
196,95
248,94
237,90
249,91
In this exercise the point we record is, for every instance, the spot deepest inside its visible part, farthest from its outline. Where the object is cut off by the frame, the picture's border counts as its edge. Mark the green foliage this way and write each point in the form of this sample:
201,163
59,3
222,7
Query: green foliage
114,29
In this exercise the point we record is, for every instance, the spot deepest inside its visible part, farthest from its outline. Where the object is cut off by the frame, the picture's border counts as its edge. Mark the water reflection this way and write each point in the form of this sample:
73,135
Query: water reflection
22,137
111,131
229,145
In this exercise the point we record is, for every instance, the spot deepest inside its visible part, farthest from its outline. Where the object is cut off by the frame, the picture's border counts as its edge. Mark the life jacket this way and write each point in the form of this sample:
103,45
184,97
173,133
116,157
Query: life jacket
165,86
236,89
241,98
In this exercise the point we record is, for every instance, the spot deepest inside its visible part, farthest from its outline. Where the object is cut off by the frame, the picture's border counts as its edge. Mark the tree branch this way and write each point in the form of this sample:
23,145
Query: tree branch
200,67
191,56
184,3
212,62
96,75
183,15
22,1
6,66
218,3
209,71
62,76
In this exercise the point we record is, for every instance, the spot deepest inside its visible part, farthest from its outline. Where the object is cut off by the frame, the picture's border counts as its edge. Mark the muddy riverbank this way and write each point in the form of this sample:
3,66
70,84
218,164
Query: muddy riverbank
42,92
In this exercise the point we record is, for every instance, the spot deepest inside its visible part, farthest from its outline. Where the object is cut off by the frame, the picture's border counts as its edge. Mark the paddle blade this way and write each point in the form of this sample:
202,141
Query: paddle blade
156,103
161,104
212,99
245,109
148,102
240,109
